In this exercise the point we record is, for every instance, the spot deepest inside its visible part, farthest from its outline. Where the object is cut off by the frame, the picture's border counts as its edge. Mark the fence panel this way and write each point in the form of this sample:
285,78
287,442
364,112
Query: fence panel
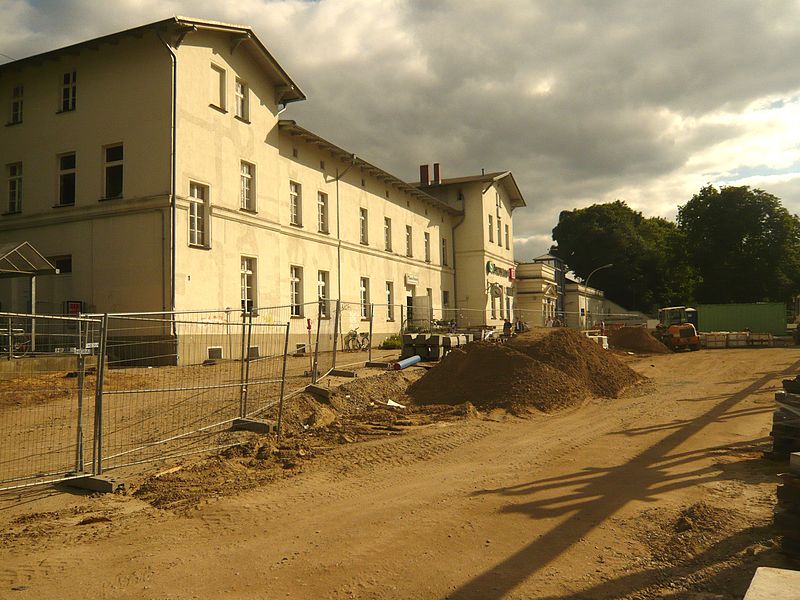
47,387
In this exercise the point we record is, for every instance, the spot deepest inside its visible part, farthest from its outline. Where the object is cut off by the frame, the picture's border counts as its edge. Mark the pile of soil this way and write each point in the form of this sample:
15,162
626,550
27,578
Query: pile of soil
545,373
582,359
636,339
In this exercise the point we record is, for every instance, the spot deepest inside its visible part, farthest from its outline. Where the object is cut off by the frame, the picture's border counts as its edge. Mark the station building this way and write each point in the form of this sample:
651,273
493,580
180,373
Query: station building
154,170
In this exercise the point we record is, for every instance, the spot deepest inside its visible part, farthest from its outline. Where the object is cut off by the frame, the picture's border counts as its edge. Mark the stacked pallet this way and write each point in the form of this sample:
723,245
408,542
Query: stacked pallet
735,339
786,423
431,346
787,512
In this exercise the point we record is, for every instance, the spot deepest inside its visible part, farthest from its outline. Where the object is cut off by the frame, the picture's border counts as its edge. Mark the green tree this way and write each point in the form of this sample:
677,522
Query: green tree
649,255
743,243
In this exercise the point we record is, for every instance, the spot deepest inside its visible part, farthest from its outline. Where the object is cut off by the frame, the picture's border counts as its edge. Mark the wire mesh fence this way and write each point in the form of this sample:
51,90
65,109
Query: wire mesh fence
48,379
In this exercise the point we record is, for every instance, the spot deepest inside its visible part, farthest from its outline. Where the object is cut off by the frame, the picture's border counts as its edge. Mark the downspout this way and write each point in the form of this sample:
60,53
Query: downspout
455,271
338,230
172,176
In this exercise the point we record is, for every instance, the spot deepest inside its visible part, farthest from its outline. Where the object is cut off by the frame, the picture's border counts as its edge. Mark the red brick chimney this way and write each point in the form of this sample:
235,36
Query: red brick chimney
424,175
436,178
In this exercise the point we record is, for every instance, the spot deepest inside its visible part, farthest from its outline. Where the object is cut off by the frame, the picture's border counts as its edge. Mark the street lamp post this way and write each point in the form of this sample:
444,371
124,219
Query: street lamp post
586,285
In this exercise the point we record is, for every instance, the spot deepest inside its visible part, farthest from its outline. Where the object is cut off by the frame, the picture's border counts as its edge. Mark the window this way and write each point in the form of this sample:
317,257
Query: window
364,288
16,105
296,290
66,179
390,301
322,212
387,234
295,204
494,310
507,248
409,241
69,90
248,187
15,187
218,87
499,233
249,283
491,229
113,168
363,225
427,246
444,252
242,100
500,302
322,293
198,210
445,299
62,263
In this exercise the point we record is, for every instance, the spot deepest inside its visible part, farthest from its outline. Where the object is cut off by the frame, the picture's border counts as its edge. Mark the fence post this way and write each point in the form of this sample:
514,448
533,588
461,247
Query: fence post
315,367
283,382
246,382
371,319
97,457
402,319
81,378
10,340
244,351
336,330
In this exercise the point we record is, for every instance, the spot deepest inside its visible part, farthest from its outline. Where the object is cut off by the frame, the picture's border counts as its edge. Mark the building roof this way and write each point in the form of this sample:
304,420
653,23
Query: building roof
18,259
293,128
517,201
180,27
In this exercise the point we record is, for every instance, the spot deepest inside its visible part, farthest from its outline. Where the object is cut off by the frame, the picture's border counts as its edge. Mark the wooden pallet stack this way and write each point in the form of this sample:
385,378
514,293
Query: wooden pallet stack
787,512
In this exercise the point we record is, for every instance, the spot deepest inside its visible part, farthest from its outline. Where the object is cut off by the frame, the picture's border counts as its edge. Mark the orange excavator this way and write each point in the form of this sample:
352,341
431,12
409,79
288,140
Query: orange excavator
677,328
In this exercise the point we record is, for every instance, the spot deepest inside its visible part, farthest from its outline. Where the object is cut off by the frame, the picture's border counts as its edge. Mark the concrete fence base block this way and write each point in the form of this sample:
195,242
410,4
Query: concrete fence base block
773,584
257,425
97,483
342,373
377,364
319,392
794,463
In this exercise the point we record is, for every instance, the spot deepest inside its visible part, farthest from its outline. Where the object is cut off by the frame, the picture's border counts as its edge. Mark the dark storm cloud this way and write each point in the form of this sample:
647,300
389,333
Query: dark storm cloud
579,99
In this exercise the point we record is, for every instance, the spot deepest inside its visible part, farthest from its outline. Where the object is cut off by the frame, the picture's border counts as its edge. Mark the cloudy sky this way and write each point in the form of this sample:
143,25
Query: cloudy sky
583,101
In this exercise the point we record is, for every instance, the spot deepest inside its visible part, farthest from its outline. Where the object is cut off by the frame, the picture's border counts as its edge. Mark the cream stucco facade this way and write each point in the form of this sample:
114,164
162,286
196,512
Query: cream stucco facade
155,166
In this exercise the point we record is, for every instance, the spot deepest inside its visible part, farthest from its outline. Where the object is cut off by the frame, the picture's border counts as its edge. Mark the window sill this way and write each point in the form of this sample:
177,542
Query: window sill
243,120
323,232
428,260
110,198
69,110
13,212
389,250
390,320
364,243
297,317
249,211
12,123
219,108
200,246
70,205
298,225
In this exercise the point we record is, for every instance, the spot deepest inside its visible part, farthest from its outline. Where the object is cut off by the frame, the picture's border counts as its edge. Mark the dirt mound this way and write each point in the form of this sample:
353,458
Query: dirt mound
495,376
581,359
636,339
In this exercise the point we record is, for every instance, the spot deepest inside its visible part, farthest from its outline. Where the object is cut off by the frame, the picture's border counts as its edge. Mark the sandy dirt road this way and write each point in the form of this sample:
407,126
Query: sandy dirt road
587,503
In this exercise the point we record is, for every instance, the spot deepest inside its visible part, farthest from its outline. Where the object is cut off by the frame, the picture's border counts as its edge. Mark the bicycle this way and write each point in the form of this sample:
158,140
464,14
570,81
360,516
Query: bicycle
356,341
20,343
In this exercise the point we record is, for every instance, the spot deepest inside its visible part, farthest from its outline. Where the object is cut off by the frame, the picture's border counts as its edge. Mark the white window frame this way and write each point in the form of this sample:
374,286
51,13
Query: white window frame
16,104
247,186
387,234
494,310
65,172
296,290
323,284
390,300
363,226
198,216
499,232
69,91
295,204
322,212
409,241
242,100
427,245
445,299
113,164
507,236
249,282
491,229
14,171
444,252
363,287
222,85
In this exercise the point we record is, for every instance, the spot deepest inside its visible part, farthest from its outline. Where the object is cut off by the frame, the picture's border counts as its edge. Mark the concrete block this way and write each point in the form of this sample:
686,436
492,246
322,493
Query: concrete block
449,341
408,338
257,425
794,463
435,340
435,353
422,337
97,483
773,584
342,373
319,392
